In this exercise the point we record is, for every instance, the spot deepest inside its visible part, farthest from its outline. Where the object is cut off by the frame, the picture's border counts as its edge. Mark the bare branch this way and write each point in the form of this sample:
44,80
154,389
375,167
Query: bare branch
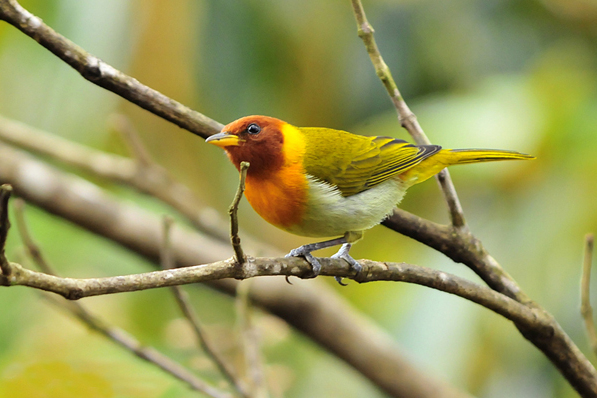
311,307
557,346
185,306
407,118
100,73
125,128
586,310
129,343
147,177
457,243
114,334
74,289
32,248
89,206
462,247
233,210
250,342
535,324
5,193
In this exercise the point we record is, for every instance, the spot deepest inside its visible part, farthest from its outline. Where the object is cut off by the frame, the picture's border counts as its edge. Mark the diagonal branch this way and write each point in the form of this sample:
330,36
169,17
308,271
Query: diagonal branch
100,73
463,247
182,299
114,334
146,176
250,346
455,241
130,343
407,118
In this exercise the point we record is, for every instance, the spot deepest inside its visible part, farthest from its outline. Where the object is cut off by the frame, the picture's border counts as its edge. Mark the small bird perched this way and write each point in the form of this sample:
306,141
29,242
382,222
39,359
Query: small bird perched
321,182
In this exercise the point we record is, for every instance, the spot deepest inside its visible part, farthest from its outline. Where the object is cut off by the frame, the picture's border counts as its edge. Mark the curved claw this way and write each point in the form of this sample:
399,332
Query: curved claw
339,280
301,252
343,254
305,251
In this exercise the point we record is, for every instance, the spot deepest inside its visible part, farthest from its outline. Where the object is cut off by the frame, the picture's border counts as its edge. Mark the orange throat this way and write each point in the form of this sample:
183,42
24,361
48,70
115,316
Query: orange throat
280,197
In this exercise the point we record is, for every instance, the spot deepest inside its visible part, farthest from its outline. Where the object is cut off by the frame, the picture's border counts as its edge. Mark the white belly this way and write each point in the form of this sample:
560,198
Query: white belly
331,214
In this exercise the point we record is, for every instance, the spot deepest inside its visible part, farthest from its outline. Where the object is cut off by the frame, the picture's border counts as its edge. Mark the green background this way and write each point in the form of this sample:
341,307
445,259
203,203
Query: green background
506,74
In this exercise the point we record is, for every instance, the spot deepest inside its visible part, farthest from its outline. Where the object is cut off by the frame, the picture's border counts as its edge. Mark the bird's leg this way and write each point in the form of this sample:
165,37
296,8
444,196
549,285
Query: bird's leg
343,254
305,251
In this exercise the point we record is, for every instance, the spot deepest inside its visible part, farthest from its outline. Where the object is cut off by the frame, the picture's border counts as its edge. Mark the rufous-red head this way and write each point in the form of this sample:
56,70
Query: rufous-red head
254,139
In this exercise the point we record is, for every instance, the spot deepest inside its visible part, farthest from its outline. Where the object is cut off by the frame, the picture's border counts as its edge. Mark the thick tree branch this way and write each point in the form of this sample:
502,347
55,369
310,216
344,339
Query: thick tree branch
100,73
144,175
461,246
74,289
87,205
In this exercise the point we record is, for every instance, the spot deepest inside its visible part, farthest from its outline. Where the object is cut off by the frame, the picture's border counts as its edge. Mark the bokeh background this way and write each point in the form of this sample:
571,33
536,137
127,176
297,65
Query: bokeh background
505,74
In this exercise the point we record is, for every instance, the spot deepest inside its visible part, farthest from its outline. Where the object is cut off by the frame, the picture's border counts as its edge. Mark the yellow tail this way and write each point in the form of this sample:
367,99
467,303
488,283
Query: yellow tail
449,157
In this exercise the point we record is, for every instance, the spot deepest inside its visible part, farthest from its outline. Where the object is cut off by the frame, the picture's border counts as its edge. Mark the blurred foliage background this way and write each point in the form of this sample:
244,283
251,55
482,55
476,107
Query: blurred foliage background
505,74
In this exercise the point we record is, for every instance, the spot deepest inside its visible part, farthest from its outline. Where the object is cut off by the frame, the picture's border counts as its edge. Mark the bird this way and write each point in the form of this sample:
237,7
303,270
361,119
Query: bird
322,182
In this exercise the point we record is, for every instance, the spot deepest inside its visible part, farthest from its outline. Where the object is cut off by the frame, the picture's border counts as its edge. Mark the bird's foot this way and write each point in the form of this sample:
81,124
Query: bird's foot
343,254
304,251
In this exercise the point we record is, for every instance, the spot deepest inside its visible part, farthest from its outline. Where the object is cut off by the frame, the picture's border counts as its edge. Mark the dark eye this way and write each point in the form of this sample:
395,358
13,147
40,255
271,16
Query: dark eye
253,128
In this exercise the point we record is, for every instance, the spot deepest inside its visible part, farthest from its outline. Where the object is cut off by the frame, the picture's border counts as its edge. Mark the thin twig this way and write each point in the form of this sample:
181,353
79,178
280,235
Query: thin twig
142,173
128,342
250,342
116,335
5,193
122,124
166,258
586,310
407,118
233,212
182,299
32,248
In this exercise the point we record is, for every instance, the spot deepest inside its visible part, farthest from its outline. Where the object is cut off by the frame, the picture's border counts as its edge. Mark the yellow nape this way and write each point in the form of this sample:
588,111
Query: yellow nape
294,144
